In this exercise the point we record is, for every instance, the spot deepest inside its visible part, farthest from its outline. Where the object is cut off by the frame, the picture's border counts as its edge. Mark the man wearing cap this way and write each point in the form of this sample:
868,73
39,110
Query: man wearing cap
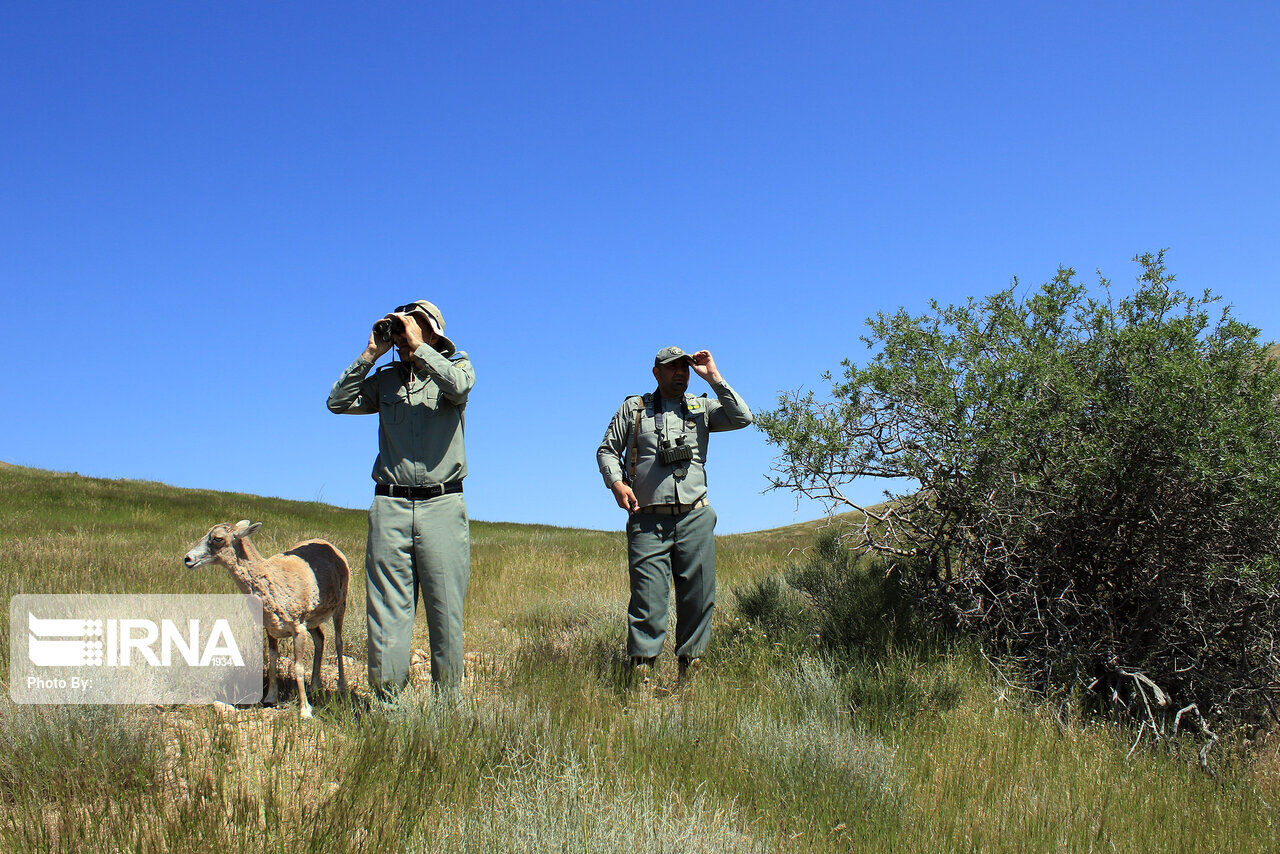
662,437
419,539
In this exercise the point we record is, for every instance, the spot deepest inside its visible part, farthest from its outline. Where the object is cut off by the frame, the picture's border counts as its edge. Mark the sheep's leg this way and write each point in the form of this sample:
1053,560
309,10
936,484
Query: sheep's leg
273,652
337,645
317,640
304,708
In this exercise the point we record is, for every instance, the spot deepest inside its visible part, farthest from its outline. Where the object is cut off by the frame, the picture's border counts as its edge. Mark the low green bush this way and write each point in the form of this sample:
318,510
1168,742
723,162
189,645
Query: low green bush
841,602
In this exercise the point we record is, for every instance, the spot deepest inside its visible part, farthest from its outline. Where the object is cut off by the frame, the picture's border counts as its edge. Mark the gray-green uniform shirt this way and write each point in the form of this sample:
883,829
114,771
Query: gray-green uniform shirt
421,424
656,483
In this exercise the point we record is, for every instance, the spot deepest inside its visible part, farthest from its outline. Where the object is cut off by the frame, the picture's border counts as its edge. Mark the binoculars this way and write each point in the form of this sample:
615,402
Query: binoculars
672,453
388,326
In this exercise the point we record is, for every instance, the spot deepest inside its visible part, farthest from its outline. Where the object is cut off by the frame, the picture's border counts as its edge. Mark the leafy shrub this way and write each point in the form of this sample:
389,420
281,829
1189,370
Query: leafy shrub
1089,486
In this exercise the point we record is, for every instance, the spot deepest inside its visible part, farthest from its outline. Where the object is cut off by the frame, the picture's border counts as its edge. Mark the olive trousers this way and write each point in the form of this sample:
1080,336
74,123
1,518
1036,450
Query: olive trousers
660,548
416,547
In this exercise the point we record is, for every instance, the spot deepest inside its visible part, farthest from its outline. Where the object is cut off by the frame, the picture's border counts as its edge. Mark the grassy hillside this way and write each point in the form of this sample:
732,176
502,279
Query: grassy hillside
775,749
70,534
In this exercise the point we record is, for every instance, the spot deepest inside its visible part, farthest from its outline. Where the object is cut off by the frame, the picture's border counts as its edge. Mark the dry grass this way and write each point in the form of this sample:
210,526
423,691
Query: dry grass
775,749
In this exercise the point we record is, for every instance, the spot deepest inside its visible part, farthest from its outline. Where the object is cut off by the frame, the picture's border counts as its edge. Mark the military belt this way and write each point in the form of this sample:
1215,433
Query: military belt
673,509
417,493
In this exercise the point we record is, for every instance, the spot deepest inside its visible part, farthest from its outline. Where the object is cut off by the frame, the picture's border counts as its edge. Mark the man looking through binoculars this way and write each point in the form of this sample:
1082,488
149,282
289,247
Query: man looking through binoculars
419,539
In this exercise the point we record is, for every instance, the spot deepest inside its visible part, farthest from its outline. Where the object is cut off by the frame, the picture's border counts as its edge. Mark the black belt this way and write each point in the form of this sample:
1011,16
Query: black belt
417,493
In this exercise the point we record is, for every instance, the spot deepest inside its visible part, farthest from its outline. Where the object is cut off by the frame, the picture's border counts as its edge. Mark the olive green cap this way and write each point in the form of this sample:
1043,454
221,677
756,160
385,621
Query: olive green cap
436,319
671,354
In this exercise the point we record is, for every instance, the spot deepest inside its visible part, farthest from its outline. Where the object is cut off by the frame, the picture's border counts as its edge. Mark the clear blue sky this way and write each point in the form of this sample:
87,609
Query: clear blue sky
204,206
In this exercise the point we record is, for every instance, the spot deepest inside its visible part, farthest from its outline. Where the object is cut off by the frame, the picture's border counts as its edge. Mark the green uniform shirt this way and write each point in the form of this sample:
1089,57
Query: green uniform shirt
420,416
656,483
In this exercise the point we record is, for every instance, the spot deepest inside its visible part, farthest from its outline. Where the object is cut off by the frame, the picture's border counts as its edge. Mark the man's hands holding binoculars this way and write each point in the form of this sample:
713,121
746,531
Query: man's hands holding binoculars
408,334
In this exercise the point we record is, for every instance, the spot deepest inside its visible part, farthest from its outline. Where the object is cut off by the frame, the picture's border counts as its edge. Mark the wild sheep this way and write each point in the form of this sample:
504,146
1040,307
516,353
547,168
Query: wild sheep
299,589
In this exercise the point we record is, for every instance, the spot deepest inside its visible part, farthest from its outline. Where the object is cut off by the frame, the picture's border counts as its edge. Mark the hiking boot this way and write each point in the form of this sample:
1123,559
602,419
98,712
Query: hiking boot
688,669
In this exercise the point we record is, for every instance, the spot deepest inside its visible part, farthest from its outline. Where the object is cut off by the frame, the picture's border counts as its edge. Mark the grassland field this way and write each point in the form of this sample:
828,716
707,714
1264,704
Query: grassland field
775,748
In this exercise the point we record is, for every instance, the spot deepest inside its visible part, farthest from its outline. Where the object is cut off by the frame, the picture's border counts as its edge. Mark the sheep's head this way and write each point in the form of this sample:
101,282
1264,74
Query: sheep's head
219,545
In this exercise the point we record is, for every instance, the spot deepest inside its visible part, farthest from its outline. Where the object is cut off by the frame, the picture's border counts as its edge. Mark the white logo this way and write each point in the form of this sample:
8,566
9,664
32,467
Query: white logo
50,647
61,642
135,648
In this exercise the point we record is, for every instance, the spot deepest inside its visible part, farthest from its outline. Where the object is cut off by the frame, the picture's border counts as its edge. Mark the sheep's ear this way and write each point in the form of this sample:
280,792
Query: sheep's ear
244,528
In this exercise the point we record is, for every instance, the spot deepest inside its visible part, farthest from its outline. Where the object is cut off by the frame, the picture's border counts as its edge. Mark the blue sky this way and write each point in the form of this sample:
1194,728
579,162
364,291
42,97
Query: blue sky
204,206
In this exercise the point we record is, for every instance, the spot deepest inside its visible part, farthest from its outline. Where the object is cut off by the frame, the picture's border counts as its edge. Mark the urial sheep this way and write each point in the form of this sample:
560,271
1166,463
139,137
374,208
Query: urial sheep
299,589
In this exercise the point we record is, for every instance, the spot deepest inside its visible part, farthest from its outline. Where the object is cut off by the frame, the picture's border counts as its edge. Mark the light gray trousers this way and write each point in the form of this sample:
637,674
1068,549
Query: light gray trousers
660,548
416,547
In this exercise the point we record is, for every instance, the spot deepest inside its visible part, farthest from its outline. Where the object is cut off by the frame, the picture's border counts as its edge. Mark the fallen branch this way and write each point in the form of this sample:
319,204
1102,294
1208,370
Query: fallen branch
1204,728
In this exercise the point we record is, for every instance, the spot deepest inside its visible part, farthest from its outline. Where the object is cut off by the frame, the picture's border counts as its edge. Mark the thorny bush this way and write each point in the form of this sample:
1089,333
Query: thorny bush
1090,486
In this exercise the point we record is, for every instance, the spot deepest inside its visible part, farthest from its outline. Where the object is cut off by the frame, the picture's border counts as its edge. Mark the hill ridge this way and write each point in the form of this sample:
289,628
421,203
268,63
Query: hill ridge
784,530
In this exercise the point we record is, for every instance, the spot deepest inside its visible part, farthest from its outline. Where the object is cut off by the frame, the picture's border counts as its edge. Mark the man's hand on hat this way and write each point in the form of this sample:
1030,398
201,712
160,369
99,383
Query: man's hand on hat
705,366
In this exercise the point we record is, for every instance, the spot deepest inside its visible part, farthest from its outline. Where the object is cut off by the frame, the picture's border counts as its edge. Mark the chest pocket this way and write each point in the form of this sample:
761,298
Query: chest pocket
398,402
393,404
697,420
694,425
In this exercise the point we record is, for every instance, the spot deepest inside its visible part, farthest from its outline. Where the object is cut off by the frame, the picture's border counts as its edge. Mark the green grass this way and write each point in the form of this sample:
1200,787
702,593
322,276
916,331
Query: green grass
777,749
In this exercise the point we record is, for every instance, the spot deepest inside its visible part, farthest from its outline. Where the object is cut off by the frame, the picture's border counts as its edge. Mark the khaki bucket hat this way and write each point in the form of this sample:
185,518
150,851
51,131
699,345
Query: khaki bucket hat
428,311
